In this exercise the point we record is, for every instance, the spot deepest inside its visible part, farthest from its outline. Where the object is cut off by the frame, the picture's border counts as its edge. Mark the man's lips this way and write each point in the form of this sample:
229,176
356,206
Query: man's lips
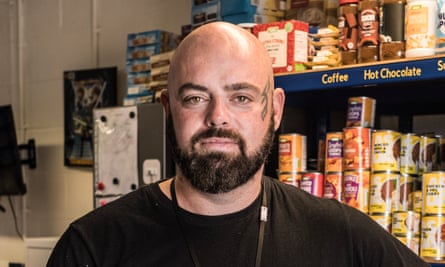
217,142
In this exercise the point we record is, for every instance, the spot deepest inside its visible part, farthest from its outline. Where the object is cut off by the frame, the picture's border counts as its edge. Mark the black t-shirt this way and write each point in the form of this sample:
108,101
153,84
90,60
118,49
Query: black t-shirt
141,229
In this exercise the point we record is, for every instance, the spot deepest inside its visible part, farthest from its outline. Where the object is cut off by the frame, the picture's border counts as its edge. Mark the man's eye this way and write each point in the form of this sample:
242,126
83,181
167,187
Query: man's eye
242,99
193,100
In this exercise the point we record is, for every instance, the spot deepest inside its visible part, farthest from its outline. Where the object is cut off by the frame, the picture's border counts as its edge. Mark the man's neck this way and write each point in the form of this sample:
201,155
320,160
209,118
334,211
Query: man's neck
195,201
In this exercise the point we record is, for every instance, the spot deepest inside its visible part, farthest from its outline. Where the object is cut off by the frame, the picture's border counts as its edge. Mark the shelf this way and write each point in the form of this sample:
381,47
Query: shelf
360,75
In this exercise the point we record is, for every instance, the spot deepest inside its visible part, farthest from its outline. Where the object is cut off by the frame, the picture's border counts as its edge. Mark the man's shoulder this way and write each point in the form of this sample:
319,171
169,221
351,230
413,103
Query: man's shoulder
130,204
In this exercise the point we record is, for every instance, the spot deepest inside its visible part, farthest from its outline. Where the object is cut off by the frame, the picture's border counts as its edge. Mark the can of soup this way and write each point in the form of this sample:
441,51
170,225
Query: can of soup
312,182
432,243
333,185
292,178
356,148
409,153
334,152
361,111
356,189
383,194
433,191
292,152
385,146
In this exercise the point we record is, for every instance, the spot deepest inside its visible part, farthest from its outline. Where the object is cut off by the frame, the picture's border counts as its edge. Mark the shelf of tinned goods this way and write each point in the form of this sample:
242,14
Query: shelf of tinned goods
359,75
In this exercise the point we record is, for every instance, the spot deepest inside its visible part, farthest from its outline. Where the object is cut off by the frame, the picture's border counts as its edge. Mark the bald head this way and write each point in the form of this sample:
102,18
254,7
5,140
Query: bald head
216,43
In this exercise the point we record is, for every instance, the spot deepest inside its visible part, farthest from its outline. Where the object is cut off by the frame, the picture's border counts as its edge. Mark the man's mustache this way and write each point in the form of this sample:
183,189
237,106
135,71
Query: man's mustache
218,132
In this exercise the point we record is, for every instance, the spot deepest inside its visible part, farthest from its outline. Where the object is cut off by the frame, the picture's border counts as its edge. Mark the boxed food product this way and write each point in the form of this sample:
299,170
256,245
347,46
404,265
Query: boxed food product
286,42
205,13
167,40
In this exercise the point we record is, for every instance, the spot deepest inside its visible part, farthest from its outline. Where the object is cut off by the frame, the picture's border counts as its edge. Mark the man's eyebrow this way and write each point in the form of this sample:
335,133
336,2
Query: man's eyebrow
234,87
186,86
239,86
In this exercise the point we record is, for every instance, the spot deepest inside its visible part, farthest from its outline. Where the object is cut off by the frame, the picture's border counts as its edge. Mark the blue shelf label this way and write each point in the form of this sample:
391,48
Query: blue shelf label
364,75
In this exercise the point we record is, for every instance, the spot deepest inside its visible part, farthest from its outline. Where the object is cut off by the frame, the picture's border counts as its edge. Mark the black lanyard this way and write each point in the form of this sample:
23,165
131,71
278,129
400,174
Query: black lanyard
189,243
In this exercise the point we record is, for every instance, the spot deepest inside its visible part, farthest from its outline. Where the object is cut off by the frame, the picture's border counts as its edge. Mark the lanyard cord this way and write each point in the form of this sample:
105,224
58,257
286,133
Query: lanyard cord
191,248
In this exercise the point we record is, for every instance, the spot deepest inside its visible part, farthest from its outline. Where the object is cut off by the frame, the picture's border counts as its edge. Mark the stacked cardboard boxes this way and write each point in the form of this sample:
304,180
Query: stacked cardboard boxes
141,47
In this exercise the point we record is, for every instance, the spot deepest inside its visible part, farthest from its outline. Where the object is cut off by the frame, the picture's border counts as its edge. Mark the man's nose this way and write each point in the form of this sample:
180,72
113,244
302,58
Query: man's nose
218,113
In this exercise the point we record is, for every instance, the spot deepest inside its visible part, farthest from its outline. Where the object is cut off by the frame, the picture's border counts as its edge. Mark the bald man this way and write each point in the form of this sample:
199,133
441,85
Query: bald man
219,209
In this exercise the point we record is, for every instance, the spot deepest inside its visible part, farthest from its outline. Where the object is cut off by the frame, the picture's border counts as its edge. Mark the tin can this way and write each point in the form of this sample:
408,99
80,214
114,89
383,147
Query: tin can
356,189
406,188
417,201
334,152
432,242
383,219
441,151
411,241
356,148
333,185
383,192
321,155
361,112
385,145
312,182
292,178
292,152
409,153
433,191
428,153
406,223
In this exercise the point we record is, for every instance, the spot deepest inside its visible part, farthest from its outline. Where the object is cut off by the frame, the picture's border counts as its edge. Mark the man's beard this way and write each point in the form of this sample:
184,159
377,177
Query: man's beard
219,172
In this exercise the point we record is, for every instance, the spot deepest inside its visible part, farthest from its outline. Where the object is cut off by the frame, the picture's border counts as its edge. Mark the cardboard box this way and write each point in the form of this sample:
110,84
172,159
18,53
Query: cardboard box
286,42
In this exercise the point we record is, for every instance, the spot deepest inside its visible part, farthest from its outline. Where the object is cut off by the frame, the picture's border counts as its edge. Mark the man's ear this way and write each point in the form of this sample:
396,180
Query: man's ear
165,101
278,106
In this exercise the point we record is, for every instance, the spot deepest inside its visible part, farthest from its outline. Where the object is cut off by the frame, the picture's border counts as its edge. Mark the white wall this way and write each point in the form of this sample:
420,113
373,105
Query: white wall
41,39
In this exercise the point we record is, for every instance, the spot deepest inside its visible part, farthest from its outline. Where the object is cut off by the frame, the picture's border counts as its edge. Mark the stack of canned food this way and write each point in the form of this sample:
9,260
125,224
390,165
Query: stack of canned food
397,178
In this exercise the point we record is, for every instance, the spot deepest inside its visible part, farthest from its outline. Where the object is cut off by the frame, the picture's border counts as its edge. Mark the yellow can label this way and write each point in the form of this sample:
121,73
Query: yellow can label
432,244
385,145
405,222
433,190
383,193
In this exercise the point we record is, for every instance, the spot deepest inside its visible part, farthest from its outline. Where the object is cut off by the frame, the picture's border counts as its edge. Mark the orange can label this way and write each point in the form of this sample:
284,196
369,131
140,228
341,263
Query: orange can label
356,148
292,152
334,152
333,185
292,178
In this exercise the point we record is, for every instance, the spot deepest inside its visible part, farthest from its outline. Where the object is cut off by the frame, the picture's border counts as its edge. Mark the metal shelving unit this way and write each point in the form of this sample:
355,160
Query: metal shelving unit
402,88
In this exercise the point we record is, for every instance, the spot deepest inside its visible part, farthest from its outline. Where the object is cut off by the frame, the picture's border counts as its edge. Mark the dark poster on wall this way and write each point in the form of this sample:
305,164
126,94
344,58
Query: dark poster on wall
85,90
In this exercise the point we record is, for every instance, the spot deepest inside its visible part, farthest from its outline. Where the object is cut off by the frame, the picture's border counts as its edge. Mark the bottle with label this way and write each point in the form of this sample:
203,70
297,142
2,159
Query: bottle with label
348,26
392,29
420,28
368,31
